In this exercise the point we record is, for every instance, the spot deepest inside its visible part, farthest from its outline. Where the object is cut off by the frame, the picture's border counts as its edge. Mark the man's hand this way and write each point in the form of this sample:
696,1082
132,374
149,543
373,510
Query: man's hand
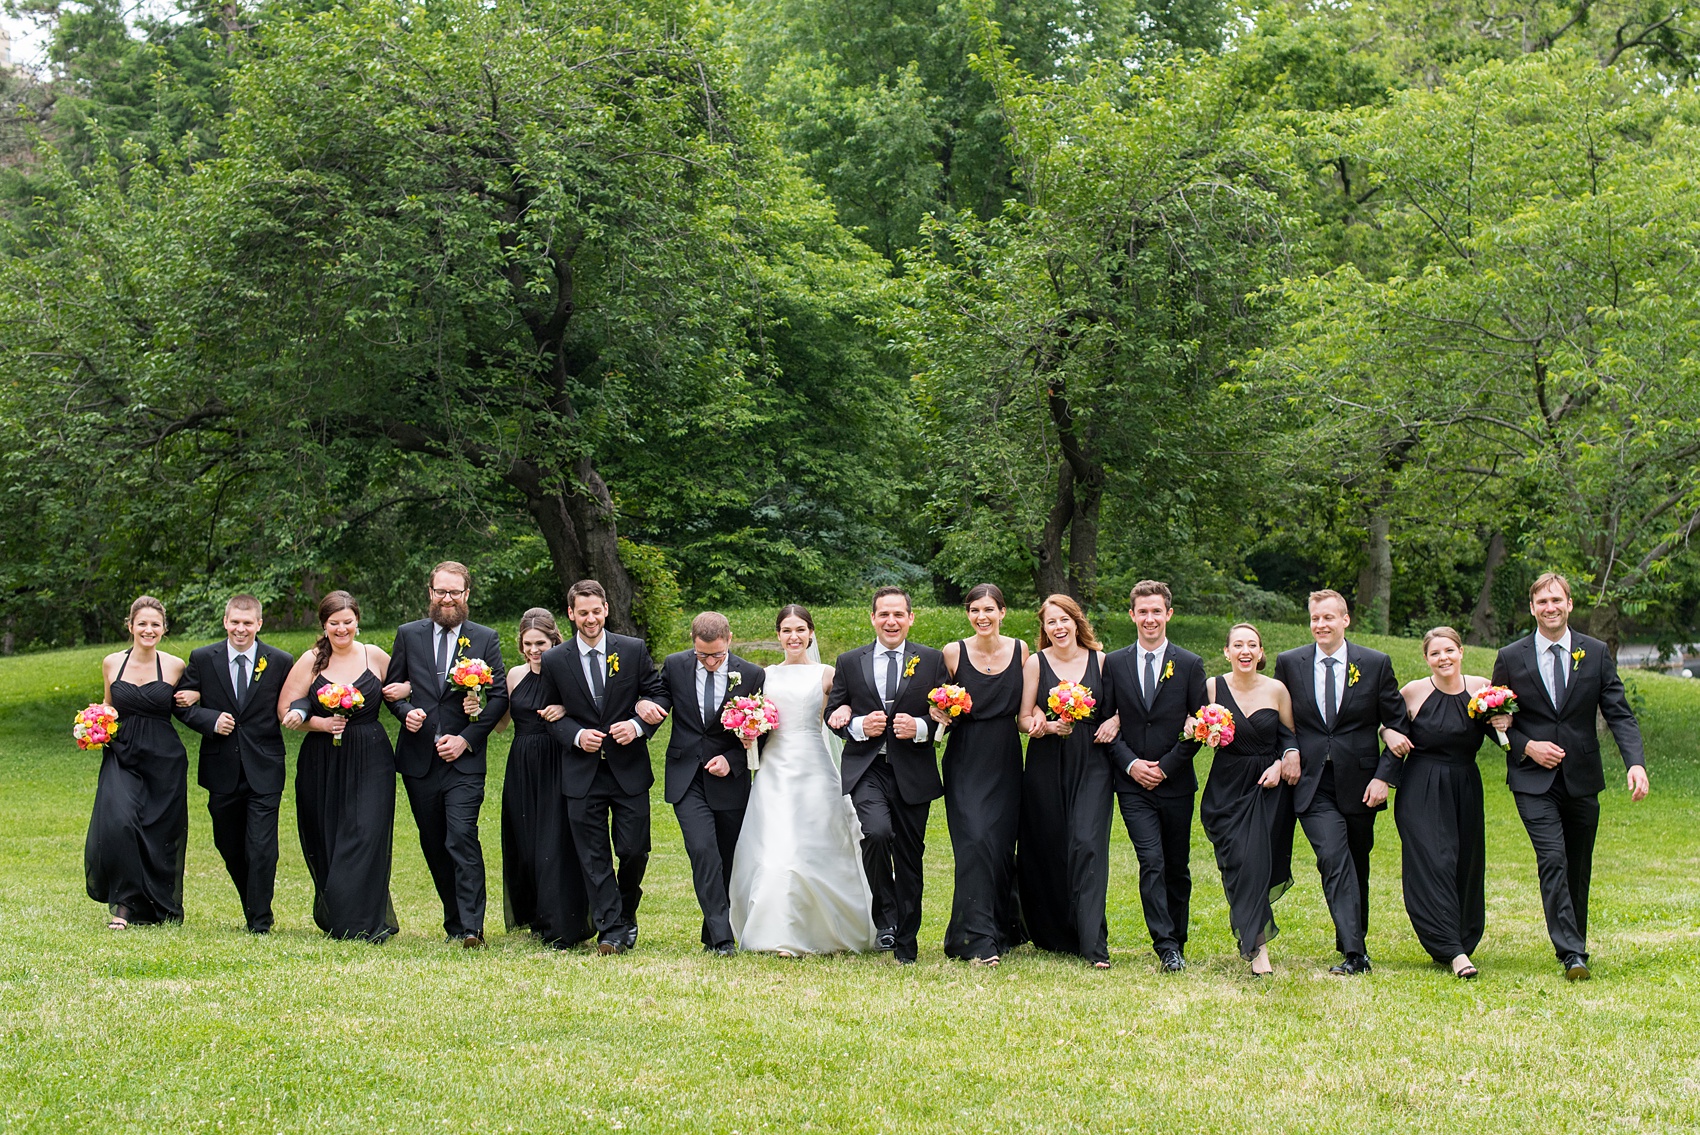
227,725
719,766
1544,753
1638,783
623,732
1109,730
398,691
590,740
904,726
450,748
188,698
1376,794
1397,743
873,725
840,718
415,720
1290,767
1147,774
651,713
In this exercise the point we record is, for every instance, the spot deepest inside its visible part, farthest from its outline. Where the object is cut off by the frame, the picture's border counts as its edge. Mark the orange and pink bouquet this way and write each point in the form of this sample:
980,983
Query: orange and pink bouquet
1212,725
1491,701
1071,702
749,716
95,726
953,700
475,677
342,700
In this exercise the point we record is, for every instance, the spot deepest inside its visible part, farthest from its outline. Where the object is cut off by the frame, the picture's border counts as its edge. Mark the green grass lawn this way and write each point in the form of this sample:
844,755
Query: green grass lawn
203,1028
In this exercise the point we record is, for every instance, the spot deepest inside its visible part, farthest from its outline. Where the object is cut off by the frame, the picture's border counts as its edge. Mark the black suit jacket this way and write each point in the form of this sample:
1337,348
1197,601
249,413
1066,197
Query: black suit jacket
1154,734
1354,743
414,660
693,743
914,763
564,684
1592,685
254,749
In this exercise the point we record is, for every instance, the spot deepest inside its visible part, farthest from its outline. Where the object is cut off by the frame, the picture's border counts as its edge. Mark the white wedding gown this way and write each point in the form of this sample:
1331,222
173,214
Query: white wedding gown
797,878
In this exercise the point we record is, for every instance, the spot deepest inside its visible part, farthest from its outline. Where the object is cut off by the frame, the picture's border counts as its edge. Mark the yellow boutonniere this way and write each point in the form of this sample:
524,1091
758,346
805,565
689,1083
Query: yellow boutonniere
260,666
1577,656
463,641
909,670
613,663
1352,675
1168,671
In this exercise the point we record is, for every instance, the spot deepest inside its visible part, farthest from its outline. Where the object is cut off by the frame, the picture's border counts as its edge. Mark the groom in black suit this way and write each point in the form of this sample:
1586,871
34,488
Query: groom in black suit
1345,702
440,751
1563,679
230,689
890,772
613,699
708,774
1154,686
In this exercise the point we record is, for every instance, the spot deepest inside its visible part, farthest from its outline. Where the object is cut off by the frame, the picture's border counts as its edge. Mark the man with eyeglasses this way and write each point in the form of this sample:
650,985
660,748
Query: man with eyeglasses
440,753
708,775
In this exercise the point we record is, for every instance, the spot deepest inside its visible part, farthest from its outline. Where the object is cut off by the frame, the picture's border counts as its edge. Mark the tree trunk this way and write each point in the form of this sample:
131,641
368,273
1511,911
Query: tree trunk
580,532
1083,542
1482,628
1605,622
1375,581
1049,565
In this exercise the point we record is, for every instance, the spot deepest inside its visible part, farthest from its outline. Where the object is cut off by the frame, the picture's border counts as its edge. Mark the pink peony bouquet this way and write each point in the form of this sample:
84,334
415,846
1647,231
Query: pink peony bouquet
1491,701
474,676
953,700
95,726
1071,702
342,700
1212,725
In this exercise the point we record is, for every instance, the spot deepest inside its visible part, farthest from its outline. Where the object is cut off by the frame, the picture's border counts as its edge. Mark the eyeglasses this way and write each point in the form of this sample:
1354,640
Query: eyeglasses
701,657
439,593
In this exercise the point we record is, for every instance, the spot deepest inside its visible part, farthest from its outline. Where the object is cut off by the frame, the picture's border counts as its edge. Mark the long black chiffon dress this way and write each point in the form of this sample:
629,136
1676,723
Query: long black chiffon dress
133,856
345,811
982,801
1239,817
1438,808
1063,863
542,886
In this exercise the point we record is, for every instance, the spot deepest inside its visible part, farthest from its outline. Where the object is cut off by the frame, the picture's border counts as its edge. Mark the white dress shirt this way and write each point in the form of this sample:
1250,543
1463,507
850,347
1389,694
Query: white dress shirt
1543,661
1155,657
584,658
1321,669
882,659
719,687
249,654
437,635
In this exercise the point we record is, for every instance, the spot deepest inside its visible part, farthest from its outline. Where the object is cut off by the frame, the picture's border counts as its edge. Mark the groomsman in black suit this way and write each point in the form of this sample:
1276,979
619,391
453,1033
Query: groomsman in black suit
1344,696
613,699
890,772
708,774
440,752
1154,686
231,690
1563,679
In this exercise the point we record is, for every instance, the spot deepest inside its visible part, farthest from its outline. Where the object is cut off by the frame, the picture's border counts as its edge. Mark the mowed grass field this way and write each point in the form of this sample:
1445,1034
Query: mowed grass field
204,1028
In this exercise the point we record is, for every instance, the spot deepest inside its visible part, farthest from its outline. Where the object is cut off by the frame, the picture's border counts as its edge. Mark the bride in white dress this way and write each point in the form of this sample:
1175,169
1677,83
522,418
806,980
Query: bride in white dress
798,885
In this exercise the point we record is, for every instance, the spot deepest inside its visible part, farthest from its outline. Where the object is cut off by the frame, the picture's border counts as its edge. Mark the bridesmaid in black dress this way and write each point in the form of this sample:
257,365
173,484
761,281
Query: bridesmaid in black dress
982,783
1443,856
133,857
344,793
542,887
1242,797
1063,864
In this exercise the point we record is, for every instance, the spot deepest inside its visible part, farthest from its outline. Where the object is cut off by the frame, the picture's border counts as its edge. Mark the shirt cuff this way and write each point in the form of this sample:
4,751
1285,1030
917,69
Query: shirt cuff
637,723
923,728
577,737
856,731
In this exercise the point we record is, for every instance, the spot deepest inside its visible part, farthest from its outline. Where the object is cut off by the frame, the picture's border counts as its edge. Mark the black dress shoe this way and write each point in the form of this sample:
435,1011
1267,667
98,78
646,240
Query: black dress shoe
887,940
472,942
630,940
721,951
1575,968
905,961
1351,965
1172,961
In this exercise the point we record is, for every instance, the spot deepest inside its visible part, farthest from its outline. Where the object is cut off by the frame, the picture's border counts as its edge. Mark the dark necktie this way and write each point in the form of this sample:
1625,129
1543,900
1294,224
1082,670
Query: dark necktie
709,701
241,678
1328,691
443,655
596,679
891,657
1150,677
1557,674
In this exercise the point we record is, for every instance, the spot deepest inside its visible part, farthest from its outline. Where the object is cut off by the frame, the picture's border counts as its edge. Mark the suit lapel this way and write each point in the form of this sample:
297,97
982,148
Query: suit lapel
869,653
575,664
224,674
1348,691
1533,661
903,673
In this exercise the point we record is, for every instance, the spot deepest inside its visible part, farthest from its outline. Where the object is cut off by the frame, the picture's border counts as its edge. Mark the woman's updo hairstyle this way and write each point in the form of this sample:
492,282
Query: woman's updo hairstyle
328,606
539,619
1262,658
145,603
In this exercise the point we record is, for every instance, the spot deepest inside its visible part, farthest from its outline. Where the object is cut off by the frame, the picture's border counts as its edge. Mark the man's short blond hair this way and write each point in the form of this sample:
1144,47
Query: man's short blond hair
1545,580
1328,593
